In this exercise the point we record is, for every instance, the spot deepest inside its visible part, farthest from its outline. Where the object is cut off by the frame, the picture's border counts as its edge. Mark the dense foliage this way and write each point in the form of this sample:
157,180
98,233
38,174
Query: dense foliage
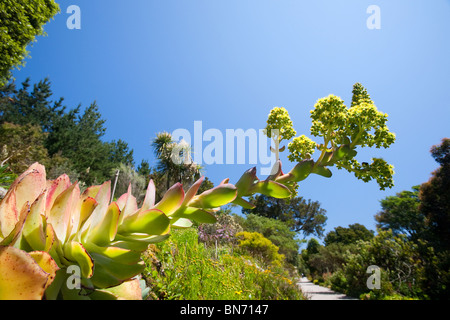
183,268
36,128
20,22
411,247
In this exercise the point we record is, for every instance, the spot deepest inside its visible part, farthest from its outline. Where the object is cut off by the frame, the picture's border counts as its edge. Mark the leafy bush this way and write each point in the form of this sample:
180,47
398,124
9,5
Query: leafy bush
402,271
183,268
259,246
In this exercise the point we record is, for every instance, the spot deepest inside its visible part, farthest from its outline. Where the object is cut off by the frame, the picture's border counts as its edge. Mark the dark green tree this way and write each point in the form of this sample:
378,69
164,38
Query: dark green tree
25,107
20,22
435,198
349,235
276,231
120,153
401,214
301,215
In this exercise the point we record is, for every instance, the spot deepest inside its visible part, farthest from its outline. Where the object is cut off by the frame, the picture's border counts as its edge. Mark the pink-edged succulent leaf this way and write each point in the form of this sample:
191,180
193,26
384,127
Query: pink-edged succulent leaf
244,203
55,188
21,277
198,215
8,214
76,253
193,191
181,223
46,262
149,200
276,171
172,200
215,197
129,290
122,255
33,230
137,242
272,189
60,214
29,185
102,197
16,232
246,182
87,206
300,172
150,222
104,232
25,189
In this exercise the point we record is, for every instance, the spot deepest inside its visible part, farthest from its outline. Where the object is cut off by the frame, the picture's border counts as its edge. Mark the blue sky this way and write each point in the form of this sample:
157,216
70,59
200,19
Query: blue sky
161,65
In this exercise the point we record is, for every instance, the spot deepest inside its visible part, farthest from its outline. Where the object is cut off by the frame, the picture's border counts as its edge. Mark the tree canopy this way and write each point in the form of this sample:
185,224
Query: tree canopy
305,216
20,22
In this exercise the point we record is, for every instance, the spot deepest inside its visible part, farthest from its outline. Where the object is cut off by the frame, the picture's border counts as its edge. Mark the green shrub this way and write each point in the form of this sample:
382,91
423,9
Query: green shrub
260,247
183,268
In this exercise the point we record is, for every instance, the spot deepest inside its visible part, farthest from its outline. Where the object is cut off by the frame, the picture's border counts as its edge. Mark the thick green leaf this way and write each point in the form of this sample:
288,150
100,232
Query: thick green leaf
243,203
151,222
33,229
246,182
323,171
272,189
61,212
302,170
105,231
171,200
75,252
198,215
215,197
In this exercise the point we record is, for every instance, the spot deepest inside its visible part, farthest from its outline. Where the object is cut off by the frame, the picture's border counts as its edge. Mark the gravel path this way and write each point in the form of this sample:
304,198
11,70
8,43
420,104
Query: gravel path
314,292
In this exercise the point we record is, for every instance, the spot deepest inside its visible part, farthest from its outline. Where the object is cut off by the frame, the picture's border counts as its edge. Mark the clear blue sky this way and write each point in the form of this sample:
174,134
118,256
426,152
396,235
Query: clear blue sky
161,65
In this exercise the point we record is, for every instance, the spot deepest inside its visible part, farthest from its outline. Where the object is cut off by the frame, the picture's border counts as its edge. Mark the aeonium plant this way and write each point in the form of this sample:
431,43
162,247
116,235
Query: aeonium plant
48,229
342,130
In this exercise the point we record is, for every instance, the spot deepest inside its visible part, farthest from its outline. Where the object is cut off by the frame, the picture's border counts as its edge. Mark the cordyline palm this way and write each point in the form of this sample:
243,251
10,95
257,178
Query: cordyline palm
163,146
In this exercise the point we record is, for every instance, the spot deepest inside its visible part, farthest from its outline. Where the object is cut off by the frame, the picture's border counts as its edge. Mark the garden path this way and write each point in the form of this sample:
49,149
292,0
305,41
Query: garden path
315,292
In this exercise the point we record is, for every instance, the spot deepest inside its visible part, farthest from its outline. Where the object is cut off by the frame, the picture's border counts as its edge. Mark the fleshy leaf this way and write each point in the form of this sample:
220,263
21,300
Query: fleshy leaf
323,171
246,182
272,189
137,242
244,203
21,277
129,290
302,170
62,209
46,262
55,188
149,200
15,234
105,231
75,252
181,223
151,222
33,230
171,200
29,185
193,190
215,197
198,215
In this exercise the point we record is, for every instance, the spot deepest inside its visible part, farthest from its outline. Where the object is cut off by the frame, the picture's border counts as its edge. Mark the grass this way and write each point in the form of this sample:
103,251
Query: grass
183,268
